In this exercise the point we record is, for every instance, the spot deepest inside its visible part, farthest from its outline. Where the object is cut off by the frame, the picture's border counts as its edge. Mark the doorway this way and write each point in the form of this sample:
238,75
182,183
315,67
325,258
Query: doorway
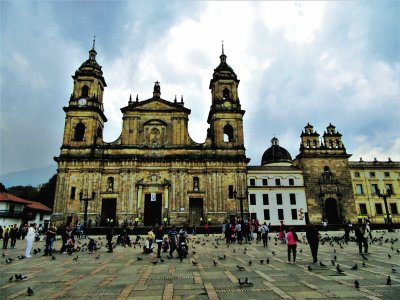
108,211
195,211
331,211
152,209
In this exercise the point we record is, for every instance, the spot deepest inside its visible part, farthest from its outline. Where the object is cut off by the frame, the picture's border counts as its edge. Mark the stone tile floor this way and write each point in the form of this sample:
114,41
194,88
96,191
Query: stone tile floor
120,275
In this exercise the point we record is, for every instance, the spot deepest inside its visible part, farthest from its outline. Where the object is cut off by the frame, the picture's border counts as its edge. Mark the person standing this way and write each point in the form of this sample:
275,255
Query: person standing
109,237
313,238
13,235
361,239
30,237
264,233
172,240
6,236
50,237
291,238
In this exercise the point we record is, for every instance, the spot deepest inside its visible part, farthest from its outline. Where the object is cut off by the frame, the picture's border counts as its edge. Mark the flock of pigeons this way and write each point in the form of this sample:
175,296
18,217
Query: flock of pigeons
334,241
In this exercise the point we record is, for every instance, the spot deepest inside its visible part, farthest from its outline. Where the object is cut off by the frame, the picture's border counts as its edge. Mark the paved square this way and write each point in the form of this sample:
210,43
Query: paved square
120,275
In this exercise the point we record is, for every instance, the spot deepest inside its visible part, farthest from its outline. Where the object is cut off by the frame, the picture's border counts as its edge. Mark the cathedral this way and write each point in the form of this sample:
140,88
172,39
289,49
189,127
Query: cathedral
154,170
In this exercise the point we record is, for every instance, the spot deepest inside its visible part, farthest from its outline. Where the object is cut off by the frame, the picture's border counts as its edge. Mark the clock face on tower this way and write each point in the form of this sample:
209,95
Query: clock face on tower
227,104
82,102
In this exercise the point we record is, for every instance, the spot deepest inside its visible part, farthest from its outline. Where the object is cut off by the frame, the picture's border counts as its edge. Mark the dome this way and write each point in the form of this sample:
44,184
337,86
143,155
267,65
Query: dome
276,154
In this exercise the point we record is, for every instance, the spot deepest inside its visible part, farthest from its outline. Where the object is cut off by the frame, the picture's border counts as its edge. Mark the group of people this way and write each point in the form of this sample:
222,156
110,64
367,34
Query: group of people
246,231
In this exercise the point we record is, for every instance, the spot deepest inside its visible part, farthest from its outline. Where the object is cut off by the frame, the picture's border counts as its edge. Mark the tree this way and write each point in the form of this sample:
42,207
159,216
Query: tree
25,192
2,188
47,191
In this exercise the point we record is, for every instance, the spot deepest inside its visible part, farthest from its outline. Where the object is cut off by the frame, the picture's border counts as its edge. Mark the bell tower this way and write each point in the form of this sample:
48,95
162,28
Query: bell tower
225,116
85,117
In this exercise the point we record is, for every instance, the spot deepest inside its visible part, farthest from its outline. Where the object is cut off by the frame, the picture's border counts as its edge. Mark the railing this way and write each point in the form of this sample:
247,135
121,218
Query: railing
11,214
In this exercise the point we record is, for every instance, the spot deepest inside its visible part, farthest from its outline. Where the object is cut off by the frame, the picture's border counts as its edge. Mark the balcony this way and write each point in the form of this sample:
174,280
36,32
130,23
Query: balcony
11,214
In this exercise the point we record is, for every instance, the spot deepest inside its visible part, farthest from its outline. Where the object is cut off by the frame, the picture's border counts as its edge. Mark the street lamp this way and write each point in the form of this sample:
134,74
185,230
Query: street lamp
240,197
386,195
86,206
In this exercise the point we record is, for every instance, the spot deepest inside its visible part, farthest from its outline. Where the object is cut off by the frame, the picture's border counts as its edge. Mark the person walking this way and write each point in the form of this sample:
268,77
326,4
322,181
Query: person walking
172,240
313,238
30,237
159,236
264,234
291,238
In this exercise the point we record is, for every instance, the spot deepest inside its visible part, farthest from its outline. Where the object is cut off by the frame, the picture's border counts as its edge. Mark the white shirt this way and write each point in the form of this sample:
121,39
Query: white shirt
31,234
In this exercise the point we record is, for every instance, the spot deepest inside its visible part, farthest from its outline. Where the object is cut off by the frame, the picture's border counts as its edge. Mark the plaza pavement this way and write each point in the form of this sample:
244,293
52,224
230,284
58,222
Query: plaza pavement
120,275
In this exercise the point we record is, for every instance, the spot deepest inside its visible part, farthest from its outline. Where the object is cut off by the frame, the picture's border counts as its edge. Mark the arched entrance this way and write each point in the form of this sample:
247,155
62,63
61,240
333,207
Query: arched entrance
331,211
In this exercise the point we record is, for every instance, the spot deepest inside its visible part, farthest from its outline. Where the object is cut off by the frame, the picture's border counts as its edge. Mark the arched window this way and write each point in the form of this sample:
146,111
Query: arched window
225,93
307,144
330,145
79,132
228,133
337,144
196,184
85,91
314,144
110,184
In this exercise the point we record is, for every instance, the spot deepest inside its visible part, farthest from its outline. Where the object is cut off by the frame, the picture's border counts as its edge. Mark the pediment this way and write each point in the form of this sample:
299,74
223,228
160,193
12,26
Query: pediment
155,104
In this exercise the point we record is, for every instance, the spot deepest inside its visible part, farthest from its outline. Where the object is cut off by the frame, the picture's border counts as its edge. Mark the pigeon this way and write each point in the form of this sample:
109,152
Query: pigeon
388,281
309,268
334,250
250,263
261,261
363,263
139,258
241,282
8,261
154,262
240,268
356,284
161,260
53,257
322,264
332,262
11,278
267,260
393,269
194,252
248,282
338,269
334,258
398,251
194,263
215,262
76,258
273,252
30,291
21,257
3,255
389,256
355,267
301,251
98,256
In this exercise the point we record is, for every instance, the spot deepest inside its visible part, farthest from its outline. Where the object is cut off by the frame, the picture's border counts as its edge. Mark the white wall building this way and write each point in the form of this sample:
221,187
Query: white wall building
276,189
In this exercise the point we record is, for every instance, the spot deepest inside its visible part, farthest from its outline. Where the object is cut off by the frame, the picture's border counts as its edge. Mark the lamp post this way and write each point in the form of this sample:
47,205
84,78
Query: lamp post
86,206
240,197
386,195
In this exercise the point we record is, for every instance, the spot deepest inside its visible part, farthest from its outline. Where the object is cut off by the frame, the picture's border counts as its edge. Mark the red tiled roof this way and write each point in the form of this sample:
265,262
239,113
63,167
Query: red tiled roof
5,197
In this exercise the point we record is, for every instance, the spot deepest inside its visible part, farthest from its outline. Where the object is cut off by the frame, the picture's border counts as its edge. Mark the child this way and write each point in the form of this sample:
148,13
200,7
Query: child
92,245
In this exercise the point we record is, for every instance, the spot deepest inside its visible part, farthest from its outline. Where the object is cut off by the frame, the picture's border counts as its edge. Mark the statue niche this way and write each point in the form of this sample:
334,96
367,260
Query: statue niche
155,133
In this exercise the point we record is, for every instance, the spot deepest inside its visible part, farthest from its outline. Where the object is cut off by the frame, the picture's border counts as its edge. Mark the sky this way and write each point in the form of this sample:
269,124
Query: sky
298,62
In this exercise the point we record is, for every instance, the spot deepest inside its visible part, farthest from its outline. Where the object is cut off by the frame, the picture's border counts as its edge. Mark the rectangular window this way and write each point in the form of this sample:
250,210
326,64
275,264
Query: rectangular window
389,189
252,199
265,181
11,208
277,182
230,191
291,181
279,199
72,196
252,182
378,208
359,189
266,214
363,209
292,199
393,208
372,174
294,214
280,214
374,188
356,174
41,216
387,174
265,199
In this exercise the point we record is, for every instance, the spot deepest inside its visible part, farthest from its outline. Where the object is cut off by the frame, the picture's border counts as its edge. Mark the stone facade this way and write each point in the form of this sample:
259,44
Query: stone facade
327,178
154,170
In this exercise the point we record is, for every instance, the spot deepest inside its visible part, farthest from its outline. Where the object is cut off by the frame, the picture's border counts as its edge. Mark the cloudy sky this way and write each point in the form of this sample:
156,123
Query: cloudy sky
298,62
